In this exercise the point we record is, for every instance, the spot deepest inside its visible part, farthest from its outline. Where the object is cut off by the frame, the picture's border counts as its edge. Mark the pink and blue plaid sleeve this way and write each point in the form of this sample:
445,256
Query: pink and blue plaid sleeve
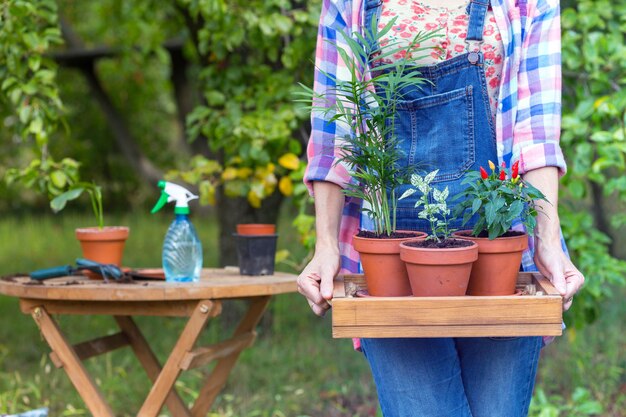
323,150
538,122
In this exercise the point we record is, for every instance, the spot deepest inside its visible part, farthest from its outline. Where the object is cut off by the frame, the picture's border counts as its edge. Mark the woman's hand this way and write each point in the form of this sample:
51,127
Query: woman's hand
549,256
556,266
316,281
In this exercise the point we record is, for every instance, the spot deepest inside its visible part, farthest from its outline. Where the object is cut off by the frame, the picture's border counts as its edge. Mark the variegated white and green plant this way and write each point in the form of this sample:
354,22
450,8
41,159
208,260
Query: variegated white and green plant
433,200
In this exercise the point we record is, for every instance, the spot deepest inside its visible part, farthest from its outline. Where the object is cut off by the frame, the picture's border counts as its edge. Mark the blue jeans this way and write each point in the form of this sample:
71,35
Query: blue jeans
461,377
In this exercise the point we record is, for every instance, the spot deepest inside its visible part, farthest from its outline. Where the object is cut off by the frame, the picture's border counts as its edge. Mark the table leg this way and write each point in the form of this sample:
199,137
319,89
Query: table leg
216,380
74,368
165,381
150,363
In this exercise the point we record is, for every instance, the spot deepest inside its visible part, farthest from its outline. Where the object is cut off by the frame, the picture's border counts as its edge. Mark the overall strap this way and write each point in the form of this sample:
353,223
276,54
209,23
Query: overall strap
477,13
372,10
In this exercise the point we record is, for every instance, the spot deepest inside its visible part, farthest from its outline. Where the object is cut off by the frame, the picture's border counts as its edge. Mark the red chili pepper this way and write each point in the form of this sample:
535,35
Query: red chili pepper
483,173
502,175
515,169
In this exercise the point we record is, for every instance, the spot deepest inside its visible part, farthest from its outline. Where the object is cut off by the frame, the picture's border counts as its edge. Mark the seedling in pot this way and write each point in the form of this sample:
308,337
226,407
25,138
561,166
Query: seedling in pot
76,190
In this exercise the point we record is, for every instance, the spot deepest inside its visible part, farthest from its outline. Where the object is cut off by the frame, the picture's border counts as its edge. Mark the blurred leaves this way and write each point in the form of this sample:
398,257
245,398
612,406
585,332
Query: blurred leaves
580,404
593,138
28,29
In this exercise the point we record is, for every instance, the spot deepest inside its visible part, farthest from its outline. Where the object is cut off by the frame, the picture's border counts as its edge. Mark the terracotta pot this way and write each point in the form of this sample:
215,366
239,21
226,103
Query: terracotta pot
435,272
385,273
104,245
496,270
256,229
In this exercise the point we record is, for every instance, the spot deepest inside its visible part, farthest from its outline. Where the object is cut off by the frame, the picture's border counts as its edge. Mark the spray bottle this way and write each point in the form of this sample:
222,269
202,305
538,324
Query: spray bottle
182,250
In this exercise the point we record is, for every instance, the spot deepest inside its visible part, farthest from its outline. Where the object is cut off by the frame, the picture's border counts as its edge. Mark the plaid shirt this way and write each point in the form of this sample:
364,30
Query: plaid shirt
528,117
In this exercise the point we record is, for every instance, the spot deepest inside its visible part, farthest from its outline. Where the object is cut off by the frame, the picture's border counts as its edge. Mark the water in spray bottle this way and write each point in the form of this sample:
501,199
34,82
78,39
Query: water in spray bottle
182,250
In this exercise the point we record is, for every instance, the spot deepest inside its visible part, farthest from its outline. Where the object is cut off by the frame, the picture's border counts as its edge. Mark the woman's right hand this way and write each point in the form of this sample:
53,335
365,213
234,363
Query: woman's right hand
316,280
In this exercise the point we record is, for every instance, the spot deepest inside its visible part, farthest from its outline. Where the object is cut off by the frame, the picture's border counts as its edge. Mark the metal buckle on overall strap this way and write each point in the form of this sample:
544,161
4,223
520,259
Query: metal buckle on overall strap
473,57
474,45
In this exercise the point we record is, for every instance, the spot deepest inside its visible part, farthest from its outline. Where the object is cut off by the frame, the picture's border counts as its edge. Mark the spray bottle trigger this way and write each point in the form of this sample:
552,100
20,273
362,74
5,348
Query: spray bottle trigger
162,201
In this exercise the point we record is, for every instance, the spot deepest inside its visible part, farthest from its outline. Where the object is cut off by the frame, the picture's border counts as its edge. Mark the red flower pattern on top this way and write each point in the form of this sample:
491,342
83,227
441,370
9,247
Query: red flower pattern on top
414,16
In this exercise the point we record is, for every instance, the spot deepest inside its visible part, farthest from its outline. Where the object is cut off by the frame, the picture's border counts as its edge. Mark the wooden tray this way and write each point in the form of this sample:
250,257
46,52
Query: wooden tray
536,312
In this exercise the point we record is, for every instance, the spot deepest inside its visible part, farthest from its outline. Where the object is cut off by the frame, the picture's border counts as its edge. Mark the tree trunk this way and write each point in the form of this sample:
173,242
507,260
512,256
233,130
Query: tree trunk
598,210
85,61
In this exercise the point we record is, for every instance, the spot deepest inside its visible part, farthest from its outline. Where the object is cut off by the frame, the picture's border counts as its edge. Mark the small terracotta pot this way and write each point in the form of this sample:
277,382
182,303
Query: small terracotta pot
435,272
385,273
256,229
496,270
104,245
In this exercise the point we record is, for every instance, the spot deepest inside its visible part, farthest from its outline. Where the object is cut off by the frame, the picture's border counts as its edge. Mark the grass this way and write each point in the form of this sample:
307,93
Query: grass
294,369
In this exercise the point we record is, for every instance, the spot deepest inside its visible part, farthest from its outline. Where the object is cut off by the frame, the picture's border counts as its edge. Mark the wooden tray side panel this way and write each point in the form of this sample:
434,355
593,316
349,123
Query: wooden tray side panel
429,311
497,316
448,331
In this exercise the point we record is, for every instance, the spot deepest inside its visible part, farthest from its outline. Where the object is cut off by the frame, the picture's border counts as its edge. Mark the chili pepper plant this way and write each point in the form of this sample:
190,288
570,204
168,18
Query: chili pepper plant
498,198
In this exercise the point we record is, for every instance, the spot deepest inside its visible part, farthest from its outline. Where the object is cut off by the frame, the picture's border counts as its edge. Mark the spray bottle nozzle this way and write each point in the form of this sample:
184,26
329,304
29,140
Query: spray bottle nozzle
174,192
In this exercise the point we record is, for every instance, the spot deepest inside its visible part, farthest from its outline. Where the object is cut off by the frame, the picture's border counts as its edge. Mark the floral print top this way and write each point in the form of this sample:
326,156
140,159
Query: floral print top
413,16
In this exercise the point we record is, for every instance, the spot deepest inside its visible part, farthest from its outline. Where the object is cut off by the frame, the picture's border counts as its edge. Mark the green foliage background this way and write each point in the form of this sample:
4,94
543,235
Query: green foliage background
243,61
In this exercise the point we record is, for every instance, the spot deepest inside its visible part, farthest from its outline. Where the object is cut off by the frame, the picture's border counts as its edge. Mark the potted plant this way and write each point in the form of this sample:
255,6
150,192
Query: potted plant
101,244
370,150
439,265
256,248
496,200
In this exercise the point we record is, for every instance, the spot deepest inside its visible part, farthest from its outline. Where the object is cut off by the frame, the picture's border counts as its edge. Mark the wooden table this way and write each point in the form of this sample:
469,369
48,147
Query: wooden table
198,301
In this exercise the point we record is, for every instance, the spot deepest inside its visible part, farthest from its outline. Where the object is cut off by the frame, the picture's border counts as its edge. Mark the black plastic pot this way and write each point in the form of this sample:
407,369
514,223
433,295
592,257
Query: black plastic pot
256,254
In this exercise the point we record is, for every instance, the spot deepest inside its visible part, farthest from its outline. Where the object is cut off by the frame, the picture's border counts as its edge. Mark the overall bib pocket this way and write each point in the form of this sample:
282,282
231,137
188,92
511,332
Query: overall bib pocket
430,141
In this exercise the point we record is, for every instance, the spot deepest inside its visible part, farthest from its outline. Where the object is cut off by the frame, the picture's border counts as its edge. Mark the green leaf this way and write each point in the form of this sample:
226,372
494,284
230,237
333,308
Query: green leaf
498,203
466,218
590,408
407,193
577,189
515,210
495,231
602,136
530,223
8,82
490,213
58,178
36,126
58,203
476,205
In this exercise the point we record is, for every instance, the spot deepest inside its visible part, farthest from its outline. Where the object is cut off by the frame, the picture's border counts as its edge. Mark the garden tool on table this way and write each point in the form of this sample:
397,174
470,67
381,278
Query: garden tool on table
106,270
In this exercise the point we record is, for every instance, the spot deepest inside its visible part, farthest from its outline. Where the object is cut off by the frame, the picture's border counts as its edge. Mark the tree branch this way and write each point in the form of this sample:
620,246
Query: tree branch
85,61
123,137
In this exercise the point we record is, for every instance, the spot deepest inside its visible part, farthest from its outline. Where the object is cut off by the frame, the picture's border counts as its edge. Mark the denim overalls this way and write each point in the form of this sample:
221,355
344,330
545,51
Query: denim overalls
446,123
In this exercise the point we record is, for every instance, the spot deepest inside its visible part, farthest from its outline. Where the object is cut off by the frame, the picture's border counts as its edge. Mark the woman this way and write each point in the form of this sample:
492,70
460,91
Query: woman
507,55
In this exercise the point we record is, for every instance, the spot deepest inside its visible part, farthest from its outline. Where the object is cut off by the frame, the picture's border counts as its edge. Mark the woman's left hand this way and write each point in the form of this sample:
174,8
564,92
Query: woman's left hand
556,266
549,256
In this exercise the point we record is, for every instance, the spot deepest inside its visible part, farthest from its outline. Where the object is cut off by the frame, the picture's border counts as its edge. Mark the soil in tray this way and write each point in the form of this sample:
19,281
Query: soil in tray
444,244
395,235
484,233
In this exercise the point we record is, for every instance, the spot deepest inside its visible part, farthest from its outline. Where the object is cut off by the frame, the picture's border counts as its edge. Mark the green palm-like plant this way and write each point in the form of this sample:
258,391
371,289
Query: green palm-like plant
366,102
